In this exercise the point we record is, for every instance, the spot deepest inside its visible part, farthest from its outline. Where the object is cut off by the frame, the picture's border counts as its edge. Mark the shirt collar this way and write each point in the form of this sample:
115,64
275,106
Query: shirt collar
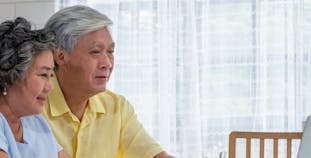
96,105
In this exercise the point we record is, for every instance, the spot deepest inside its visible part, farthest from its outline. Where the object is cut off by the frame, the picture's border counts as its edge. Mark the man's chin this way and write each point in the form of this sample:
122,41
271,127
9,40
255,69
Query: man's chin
101,89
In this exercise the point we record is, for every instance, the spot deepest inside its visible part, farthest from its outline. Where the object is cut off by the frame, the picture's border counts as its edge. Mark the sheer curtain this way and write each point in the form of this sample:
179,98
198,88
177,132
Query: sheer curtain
196,70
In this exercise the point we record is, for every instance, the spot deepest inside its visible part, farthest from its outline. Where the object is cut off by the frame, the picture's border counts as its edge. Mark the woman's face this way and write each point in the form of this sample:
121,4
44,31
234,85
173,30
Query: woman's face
28,96
91,62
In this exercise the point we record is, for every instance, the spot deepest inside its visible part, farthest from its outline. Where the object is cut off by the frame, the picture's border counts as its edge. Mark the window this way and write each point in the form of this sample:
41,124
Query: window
196,70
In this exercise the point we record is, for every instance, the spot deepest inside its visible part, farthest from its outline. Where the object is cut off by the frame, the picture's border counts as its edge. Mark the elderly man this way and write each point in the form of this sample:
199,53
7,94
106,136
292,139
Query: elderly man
88,120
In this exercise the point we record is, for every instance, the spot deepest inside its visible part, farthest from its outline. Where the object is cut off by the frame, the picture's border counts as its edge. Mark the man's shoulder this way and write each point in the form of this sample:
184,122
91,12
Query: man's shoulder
109,95
110,100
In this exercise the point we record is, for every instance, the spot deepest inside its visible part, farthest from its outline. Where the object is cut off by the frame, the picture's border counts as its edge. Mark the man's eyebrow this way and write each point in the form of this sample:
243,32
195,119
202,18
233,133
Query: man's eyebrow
97,44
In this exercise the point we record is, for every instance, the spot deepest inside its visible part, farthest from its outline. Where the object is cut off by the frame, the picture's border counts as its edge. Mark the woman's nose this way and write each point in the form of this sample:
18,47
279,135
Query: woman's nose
48,85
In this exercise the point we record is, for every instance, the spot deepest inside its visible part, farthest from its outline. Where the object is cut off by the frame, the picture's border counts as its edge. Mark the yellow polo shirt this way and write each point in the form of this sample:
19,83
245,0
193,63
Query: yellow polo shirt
109,128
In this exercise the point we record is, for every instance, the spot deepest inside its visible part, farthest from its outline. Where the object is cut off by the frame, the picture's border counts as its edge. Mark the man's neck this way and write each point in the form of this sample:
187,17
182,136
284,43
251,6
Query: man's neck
74,97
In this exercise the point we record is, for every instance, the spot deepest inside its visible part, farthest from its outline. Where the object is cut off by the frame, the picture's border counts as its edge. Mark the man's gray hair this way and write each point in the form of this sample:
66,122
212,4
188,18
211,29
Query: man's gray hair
70,23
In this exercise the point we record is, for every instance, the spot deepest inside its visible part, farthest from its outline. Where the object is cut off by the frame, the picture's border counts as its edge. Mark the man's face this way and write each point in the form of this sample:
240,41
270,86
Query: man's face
91,62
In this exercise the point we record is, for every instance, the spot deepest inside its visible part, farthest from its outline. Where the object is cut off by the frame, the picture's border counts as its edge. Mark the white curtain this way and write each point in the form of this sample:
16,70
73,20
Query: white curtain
197,69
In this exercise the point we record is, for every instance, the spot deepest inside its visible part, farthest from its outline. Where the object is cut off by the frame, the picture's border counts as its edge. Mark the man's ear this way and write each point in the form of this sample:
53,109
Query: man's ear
60,56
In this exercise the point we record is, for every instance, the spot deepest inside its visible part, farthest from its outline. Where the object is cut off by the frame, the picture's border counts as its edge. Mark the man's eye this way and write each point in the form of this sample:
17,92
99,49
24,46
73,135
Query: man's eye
95,52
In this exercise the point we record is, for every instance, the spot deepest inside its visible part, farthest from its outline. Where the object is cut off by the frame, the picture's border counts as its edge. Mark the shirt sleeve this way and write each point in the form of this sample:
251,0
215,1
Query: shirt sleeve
135,141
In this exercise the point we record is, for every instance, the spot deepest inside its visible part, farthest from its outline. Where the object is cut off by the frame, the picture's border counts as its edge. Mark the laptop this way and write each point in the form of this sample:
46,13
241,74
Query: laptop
304,150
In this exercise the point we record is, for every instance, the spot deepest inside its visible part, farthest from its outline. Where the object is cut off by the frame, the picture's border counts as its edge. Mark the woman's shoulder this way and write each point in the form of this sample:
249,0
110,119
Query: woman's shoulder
7,140
2,119
3,122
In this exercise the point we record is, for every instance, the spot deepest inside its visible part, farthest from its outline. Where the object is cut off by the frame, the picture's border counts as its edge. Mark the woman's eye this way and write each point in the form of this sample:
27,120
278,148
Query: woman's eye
47,75
44,75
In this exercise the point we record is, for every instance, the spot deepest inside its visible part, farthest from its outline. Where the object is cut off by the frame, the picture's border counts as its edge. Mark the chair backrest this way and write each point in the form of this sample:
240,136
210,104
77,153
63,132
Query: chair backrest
262,136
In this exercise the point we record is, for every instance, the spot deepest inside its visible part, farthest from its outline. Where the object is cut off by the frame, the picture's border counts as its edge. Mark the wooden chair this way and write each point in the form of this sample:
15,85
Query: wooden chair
262,136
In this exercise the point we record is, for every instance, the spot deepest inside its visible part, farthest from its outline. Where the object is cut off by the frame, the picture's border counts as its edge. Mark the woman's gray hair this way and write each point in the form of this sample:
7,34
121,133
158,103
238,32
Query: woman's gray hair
70,23
19,45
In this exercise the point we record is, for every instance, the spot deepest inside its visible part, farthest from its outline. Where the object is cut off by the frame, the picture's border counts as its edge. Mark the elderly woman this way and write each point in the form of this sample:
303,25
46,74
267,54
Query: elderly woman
26,69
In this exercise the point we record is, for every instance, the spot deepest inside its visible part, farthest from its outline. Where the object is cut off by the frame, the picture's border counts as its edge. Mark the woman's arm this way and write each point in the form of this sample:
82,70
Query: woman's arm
61,154
3,154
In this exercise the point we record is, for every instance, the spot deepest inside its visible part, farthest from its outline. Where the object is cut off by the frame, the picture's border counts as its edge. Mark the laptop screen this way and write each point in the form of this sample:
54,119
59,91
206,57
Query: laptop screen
305,143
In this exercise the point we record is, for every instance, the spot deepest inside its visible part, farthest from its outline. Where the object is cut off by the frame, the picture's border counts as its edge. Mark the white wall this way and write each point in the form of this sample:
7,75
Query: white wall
36,11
